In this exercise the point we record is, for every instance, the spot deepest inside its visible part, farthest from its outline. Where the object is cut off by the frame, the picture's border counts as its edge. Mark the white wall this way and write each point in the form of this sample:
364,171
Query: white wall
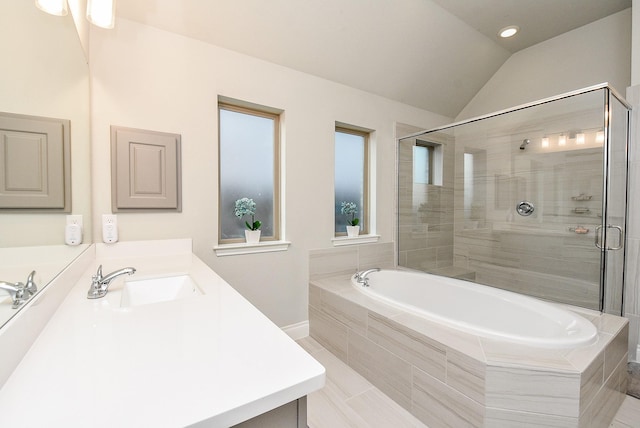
595,53
78,9
145,78
635,43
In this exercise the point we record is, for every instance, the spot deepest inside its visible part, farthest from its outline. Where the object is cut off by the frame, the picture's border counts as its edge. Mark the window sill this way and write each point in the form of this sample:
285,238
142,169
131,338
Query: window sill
361,239
244,248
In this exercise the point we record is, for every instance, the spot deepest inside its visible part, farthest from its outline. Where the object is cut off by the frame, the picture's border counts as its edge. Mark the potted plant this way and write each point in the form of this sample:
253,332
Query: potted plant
350,208
246,206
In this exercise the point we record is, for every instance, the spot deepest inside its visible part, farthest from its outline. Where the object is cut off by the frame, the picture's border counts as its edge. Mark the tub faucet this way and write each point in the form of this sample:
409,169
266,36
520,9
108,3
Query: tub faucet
100,284
361,277
20,292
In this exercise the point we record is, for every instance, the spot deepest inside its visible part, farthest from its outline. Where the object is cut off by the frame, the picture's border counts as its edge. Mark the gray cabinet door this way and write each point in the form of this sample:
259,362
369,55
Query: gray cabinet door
34,163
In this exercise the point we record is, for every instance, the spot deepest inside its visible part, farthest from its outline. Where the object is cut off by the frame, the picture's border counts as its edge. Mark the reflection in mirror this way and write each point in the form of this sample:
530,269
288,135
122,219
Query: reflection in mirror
44,73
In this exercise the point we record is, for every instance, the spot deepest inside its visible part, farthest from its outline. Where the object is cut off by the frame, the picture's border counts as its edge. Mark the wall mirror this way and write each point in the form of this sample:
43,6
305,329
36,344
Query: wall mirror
44,73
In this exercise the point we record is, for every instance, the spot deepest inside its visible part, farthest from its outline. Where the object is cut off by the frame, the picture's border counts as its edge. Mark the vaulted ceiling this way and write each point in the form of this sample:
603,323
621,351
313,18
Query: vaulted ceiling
432,54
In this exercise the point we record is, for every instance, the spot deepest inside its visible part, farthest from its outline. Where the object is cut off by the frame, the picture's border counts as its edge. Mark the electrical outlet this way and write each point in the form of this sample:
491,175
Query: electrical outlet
73,230
109,228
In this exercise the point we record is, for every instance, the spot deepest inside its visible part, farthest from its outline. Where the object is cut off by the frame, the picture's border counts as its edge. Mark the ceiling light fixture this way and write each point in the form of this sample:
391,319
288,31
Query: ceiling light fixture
508,31
54,7
101,12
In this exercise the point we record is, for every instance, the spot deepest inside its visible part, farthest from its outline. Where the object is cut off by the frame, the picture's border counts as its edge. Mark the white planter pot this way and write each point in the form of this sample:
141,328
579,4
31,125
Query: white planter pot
353,231
252,236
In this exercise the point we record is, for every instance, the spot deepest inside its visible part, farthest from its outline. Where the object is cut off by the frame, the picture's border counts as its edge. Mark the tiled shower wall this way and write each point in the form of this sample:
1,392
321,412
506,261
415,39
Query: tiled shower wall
536,255
425,212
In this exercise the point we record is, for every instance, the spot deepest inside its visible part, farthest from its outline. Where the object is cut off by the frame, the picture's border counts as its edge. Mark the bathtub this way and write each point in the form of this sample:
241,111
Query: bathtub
480,310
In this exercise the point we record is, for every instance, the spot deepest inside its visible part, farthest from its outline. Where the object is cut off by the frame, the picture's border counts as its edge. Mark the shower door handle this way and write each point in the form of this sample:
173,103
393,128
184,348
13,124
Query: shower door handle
620,237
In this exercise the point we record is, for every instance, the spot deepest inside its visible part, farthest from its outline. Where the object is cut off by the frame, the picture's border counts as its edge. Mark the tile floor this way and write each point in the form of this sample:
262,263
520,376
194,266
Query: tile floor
349,400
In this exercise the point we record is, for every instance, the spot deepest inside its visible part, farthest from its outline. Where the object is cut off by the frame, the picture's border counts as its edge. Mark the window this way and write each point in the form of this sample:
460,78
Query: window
351,171
249,168
423,164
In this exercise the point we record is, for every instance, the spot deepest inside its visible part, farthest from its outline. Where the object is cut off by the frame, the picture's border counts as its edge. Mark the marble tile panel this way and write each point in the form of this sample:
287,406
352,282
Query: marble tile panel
634,335
632,277
592,379
610,324
409,345
581,358
615,351
515,355
385,370
422,259
438,405
628,415
537,391
602,410
402,257
380,412
335,284
332,261
310,345
549,287
346,382
410,240
442,237
466,375
376,255
315,296
460,341
326,409
444,256
500,418
341,309
329,333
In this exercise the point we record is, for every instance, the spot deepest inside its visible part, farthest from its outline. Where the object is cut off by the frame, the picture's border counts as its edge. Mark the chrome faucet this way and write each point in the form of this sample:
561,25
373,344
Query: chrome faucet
20,292
362,277
100,284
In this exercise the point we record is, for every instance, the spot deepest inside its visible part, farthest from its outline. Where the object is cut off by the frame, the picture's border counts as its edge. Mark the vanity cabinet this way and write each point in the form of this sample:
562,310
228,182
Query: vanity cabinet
290,415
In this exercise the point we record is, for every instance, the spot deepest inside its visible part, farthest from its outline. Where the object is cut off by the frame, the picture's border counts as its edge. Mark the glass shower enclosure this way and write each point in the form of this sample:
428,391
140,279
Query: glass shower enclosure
531,199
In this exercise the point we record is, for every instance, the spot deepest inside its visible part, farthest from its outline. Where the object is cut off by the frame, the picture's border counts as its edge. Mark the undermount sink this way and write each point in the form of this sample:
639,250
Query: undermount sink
154,290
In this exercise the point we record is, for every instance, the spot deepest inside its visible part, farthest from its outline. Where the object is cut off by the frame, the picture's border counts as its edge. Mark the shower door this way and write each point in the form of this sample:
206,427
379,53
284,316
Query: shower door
612,240
531,200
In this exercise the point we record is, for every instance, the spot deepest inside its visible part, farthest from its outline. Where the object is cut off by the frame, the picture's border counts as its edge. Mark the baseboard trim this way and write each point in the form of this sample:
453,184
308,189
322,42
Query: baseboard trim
298,330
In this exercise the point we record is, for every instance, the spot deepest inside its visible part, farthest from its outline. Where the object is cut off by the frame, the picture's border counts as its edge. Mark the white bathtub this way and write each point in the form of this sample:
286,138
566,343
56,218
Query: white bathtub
477,309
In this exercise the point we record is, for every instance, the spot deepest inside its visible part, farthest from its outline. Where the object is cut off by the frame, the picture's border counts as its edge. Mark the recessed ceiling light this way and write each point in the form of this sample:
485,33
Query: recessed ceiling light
508,31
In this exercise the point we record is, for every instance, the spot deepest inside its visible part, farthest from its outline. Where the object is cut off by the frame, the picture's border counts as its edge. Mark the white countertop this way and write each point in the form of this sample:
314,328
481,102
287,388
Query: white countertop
212,359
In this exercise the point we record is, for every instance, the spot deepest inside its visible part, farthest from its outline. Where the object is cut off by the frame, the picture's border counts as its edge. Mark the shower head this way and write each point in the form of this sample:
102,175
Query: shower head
524,143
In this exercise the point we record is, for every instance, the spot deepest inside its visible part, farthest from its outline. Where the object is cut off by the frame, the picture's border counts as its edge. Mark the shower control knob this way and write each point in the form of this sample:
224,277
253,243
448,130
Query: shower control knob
525,208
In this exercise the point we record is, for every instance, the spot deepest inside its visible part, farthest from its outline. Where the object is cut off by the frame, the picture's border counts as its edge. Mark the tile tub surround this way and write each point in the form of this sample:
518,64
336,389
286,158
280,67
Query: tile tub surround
447,378
348,260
